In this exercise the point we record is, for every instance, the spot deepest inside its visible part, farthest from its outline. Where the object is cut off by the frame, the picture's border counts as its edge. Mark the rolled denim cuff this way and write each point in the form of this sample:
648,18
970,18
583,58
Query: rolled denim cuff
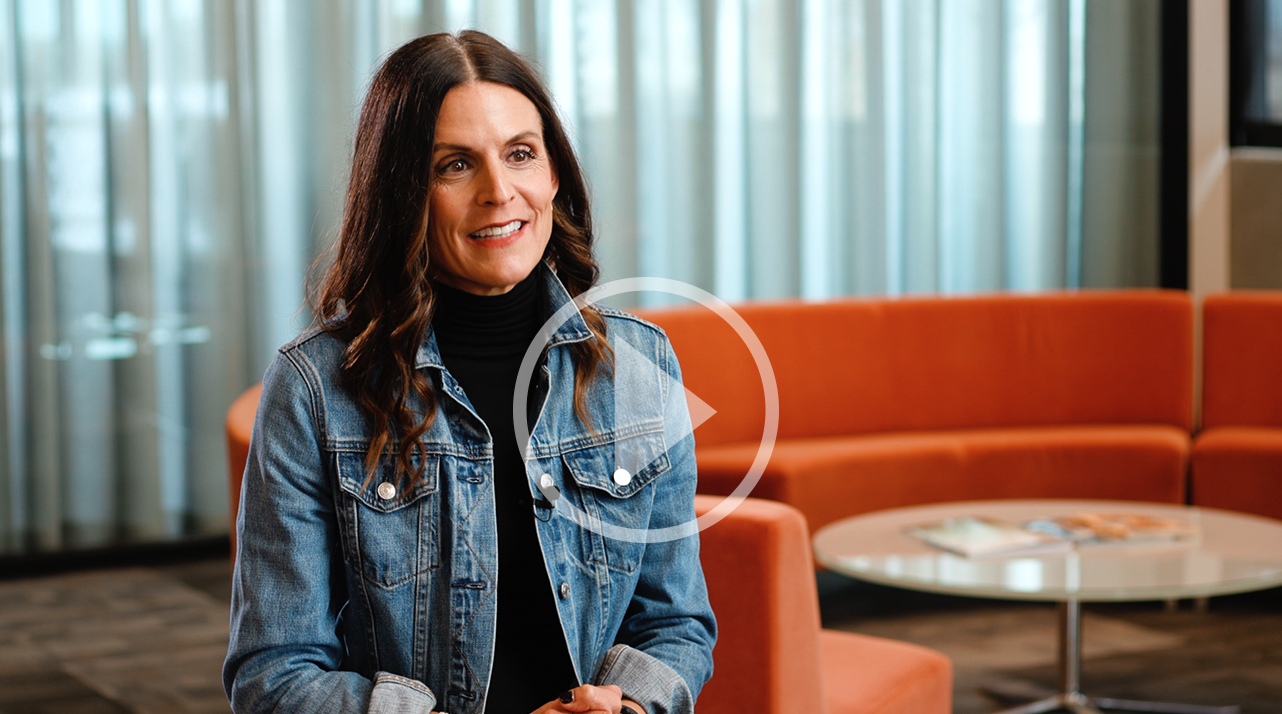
645,680
394,694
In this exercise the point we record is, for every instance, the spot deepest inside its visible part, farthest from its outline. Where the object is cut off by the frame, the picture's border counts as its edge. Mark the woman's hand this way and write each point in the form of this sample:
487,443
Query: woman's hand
586,699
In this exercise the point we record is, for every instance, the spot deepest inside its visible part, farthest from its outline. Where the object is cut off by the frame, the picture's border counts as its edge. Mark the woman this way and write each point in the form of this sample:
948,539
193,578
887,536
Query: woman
397,552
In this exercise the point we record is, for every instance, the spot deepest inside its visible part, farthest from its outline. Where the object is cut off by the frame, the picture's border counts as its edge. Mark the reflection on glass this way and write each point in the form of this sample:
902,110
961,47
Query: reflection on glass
1072,572
1261,38
894,566
1024,575
919,568
1274,54
956,570
1203,567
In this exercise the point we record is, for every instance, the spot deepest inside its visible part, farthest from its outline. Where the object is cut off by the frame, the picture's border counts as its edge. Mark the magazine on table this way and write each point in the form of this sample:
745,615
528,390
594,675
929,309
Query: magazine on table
977,536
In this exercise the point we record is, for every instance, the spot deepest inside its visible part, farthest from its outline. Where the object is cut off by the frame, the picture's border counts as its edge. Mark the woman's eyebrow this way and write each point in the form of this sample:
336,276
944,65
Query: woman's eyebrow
450,147
523,136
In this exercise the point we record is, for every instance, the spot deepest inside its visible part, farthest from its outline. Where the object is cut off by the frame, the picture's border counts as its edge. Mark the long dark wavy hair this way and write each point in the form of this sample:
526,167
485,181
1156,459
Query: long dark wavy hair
376,295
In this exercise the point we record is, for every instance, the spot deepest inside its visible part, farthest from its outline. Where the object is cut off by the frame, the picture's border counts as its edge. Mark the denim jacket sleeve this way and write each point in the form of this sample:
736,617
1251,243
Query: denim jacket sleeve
663,651
284,652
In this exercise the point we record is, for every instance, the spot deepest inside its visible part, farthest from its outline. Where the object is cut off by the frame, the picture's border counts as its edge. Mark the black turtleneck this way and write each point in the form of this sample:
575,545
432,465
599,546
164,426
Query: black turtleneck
482,340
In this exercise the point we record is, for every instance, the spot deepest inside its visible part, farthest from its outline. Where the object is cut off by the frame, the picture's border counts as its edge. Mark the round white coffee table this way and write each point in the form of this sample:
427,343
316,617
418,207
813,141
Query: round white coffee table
1234,553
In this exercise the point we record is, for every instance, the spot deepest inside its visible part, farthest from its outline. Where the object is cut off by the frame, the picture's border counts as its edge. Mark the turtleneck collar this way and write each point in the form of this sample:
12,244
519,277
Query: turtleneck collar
488,326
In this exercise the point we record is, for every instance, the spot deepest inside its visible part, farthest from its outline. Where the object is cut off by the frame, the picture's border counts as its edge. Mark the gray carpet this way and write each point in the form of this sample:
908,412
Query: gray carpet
152,640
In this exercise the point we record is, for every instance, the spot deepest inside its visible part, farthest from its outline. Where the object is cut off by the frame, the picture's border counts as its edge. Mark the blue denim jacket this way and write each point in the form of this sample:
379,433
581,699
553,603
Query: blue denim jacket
372,597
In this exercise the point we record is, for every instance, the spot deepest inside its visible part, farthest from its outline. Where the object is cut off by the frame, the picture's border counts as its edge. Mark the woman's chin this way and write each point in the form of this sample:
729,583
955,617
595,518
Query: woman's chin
496,282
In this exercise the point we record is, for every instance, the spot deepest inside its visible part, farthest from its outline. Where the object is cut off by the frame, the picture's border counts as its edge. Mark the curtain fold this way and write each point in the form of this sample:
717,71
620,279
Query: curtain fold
170,169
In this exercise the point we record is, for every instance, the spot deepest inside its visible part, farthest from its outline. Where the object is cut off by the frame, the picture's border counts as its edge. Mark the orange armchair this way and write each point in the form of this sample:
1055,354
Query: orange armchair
771,655
239,426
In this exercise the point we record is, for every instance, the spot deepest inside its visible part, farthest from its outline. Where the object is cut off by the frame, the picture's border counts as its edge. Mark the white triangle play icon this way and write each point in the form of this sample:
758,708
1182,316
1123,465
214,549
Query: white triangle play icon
638,379
700,411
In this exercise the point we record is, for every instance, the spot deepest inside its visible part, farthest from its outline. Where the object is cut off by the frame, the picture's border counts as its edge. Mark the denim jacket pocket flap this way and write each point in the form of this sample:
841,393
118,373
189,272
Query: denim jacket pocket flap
388,523
621,467
386,492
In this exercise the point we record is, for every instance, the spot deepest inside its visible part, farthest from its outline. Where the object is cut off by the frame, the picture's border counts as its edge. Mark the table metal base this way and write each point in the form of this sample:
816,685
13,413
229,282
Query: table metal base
1070,697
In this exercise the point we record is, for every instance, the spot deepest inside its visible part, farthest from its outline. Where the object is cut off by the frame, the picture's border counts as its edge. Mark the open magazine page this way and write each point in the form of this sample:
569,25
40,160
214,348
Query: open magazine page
974,536
1106,528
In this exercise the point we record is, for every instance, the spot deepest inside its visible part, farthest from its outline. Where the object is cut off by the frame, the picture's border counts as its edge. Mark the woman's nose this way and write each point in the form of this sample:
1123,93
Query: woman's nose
495,188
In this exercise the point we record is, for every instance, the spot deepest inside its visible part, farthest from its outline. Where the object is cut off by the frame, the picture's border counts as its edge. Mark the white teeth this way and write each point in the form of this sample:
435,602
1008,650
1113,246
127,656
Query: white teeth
498,232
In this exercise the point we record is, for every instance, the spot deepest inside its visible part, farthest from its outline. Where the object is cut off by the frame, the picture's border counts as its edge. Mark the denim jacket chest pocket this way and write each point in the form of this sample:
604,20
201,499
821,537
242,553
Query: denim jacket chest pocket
614,481
388,524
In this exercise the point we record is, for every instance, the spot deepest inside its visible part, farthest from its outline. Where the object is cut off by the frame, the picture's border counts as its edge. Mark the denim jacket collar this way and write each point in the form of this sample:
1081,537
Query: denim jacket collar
573,329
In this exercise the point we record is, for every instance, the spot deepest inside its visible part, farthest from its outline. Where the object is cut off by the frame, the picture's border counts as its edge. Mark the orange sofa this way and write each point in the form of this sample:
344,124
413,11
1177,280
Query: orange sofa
895,402
1237,456
771,655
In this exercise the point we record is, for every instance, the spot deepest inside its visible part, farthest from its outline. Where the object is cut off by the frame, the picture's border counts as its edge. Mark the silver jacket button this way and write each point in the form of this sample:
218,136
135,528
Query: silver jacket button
545,481
622,477
386,491
564,590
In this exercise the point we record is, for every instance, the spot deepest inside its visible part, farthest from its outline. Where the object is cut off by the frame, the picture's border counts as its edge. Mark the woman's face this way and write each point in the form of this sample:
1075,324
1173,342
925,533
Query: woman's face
490,211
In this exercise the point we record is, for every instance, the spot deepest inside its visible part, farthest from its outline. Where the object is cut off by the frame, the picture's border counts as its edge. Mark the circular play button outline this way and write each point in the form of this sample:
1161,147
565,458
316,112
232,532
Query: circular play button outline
520,398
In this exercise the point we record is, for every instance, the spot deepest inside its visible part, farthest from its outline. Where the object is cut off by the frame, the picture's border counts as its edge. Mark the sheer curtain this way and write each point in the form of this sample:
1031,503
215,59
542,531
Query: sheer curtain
121,261
170,168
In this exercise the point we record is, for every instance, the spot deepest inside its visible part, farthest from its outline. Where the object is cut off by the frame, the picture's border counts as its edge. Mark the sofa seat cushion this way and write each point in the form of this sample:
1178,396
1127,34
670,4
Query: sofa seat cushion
872,675
1239,468
834,477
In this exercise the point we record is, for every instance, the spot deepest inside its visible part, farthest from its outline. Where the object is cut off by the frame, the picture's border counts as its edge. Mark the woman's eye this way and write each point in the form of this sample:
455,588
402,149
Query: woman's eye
522,155
452,167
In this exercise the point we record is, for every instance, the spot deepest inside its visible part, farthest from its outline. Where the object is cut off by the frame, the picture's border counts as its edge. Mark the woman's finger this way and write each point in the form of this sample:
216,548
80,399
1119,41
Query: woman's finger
589,698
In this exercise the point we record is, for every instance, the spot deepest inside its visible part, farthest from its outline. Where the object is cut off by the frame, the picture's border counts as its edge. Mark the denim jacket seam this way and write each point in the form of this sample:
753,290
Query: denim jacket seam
653,685
589,441
617,314
608,662
315,394
391,679
430,448
375,658
303,338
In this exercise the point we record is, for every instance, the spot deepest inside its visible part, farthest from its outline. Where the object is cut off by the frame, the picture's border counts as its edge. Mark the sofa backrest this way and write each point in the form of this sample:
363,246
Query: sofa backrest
761,584
1242,359
856,366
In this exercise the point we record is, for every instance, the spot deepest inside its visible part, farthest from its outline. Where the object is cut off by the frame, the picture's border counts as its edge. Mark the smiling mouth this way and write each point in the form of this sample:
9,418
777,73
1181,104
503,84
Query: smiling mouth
502,231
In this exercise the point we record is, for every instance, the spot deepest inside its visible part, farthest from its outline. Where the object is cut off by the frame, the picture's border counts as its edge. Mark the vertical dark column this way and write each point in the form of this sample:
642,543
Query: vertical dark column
1173,241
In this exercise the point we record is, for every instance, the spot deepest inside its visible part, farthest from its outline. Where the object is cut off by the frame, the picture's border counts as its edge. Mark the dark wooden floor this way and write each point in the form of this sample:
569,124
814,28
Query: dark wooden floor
1230,653
152,641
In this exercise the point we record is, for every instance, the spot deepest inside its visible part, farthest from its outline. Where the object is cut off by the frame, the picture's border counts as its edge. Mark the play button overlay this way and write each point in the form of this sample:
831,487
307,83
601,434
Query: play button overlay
699,409
632,367
653,424
637,379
